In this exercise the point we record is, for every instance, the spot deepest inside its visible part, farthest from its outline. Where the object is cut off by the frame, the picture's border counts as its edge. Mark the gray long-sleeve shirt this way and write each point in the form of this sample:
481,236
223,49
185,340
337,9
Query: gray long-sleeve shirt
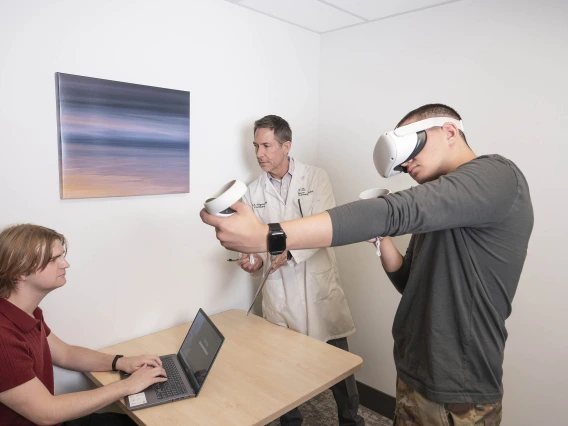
470,230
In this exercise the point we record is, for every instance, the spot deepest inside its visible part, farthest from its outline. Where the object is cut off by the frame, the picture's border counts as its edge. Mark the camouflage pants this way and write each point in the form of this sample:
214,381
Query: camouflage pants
413,409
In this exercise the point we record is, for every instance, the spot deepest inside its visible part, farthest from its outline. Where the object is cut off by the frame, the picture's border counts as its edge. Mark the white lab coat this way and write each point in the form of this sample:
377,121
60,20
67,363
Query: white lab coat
305,294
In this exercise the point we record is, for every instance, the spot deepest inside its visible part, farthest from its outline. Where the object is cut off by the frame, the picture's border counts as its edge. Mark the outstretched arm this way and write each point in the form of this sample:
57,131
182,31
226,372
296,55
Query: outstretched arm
473,196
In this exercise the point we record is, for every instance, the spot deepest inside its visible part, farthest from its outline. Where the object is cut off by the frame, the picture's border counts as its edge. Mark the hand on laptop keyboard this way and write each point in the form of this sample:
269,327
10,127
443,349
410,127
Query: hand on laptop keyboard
144,377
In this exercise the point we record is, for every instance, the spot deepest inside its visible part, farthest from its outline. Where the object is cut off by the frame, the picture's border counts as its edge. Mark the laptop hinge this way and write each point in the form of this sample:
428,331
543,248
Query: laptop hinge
188,373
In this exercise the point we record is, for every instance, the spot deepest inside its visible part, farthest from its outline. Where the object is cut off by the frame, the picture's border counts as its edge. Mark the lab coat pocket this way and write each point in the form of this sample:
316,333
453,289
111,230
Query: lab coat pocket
304,206
322,284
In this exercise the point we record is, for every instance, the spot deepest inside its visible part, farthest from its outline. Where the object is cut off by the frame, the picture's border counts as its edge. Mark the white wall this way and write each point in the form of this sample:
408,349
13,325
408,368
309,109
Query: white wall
125,253
502,65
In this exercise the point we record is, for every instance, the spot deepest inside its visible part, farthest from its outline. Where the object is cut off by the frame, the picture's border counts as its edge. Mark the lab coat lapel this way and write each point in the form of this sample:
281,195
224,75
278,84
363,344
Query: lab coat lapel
269,190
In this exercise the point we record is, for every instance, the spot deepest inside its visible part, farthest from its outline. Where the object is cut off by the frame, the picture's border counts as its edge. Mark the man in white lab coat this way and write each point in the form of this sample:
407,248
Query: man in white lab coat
304,291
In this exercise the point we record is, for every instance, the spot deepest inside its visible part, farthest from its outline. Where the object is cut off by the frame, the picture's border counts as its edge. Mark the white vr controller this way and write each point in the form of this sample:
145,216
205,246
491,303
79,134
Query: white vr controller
220,204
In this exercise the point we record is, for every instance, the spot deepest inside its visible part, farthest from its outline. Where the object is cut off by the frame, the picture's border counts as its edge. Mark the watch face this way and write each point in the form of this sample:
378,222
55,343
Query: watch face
276,242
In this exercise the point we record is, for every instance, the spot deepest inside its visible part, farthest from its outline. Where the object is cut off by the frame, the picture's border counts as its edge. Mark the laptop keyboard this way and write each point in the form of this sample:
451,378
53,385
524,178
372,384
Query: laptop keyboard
174,386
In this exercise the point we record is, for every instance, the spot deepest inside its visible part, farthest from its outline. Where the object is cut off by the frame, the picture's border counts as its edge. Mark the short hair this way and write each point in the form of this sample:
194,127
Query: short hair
24,250
432,110
282,130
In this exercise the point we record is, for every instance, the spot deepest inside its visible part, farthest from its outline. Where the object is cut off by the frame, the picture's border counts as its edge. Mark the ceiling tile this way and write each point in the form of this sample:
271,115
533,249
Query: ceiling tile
310,14
375,9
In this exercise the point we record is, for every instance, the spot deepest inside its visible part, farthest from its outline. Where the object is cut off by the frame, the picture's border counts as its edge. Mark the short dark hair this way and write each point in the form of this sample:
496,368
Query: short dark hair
282,131
432,110
24,250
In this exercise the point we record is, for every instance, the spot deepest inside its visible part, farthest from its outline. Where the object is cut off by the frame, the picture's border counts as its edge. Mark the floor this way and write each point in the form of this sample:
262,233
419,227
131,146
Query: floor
322,411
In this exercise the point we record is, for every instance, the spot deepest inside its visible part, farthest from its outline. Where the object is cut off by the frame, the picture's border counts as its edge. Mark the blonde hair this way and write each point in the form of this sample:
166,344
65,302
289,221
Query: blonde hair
24,250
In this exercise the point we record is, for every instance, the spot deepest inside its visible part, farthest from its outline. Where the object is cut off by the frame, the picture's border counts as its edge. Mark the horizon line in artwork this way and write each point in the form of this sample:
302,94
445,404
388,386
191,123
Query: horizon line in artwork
121,139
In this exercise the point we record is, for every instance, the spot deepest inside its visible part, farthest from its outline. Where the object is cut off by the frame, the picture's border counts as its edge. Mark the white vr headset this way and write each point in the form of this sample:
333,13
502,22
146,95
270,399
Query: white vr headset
404,143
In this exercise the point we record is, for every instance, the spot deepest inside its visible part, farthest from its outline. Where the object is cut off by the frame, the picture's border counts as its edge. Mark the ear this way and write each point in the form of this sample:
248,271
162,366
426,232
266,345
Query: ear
451,132
287,146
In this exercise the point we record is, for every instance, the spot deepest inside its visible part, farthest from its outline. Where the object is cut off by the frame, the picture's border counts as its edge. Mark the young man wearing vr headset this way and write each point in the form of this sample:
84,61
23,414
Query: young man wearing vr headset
470,220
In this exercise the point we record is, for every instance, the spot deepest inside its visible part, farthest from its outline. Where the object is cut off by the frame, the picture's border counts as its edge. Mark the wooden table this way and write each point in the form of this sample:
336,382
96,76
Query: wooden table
261,372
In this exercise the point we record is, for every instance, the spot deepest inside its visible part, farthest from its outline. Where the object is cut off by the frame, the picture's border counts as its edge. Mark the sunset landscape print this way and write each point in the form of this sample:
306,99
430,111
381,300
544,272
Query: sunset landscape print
120,139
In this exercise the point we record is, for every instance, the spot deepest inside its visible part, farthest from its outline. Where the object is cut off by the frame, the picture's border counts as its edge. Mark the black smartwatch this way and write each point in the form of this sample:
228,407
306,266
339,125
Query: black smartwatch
276,239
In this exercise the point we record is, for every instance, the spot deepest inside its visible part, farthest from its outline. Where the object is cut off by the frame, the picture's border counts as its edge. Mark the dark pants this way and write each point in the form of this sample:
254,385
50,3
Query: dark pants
102,419
346,397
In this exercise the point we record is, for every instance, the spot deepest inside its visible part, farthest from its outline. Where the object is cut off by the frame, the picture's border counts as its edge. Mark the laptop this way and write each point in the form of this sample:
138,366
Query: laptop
186,370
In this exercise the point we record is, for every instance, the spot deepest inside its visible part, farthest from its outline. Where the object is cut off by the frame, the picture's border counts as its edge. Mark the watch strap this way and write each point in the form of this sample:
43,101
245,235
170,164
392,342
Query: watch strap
114,362
274,227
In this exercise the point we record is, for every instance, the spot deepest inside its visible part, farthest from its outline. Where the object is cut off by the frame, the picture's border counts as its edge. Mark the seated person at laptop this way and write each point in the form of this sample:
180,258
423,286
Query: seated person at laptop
32,264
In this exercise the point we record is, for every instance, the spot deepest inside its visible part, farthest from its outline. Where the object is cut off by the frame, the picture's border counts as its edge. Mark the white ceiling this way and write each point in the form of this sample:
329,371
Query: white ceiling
323,16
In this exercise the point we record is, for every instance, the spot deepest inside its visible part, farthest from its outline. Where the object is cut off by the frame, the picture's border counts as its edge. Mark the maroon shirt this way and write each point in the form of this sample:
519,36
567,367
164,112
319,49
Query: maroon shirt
24,354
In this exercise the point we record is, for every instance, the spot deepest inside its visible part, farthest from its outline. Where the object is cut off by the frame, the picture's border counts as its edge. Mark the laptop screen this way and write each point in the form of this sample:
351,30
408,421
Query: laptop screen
200,347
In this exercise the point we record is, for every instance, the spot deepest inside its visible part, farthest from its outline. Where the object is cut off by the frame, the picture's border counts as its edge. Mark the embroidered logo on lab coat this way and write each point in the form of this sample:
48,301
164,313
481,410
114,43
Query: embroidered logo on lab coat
259,205
303,192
